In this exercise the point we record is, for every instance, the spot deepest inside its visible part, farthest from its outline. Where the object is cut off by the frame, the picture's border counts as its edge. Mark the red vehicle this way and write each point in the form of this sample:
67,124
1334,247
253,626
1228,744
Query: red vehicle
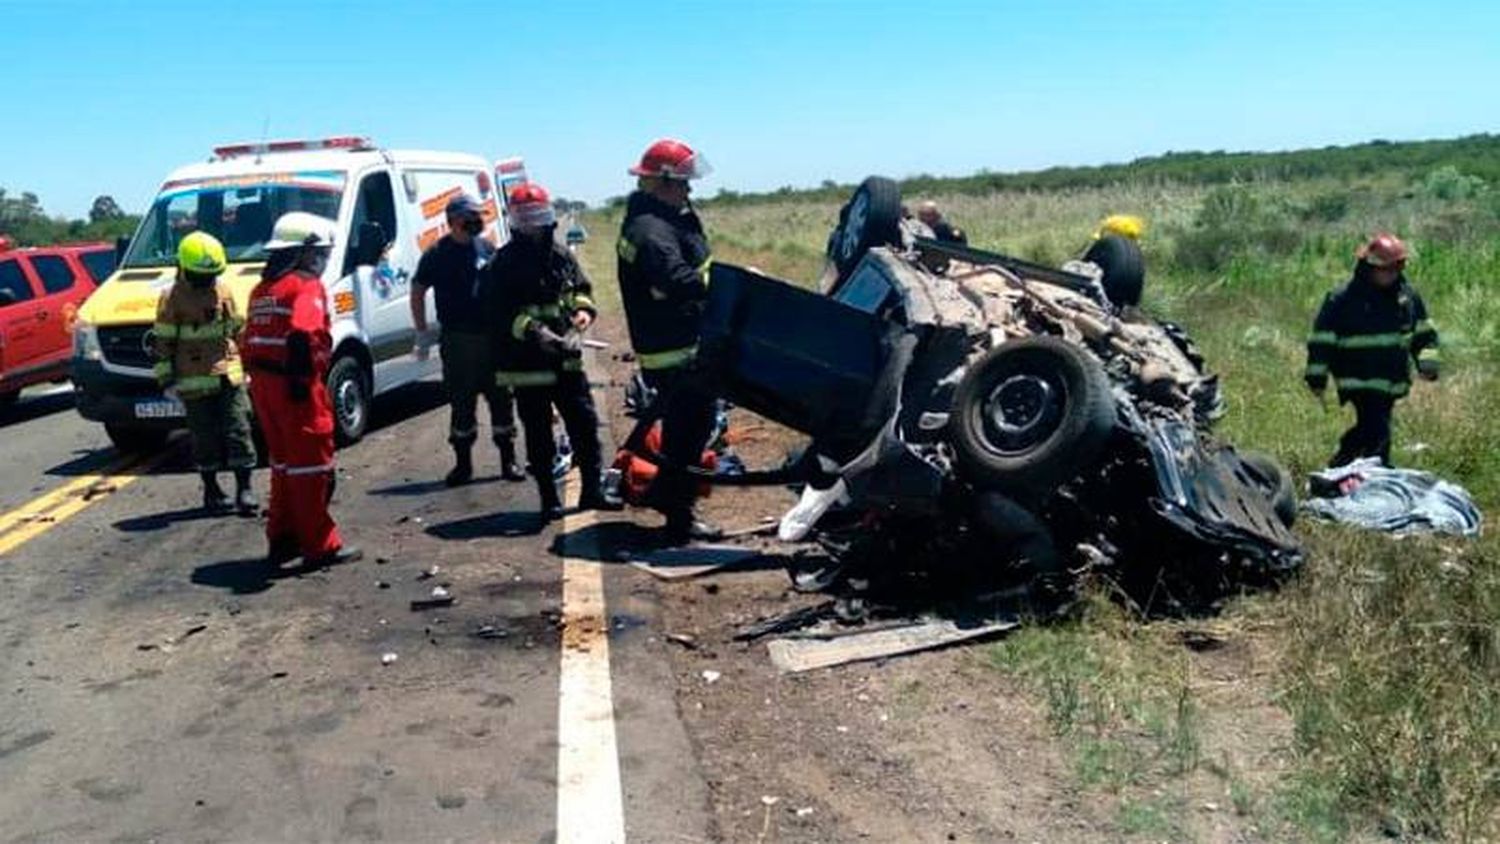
40,290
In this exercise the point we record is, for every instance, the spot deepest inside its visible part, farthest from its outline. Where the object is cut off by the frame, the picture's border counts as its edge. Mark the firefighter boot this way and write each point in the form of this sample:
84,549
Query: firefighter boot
244,500
463,465
214,498
551,505
508,469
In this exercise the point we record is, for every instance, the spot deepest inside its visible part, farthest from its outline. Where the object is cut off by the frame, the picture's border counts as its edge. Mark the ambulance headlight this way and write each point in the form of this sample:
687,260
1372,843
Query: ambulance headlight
86,342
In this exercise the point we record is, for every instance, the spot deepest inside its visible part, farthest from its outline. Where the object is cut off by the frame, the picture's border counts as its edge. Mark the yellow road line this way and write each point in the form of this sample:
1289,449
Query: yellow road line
590,806
45,512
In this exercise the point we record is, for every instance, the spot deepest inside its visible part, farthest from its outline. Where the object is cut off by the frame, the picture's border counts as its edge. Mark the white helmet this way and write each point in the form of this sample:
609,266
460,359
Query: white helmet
299,228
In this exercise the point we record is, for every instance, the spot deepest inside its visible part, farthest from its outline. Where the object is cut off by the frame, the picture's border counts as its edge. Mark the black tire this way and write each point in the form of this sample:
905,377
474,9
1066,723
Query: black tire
871,217
136,439
1031,414
1124,268
8,400
349,392
1276,482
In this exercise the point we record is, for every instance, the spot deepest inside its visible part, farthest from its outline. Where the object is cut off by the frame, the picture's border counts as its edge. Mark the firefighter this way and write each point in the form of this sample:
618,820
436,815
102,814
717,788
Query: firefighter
536,301
943,230
1366,336
451,268
287,345
663,272
197,360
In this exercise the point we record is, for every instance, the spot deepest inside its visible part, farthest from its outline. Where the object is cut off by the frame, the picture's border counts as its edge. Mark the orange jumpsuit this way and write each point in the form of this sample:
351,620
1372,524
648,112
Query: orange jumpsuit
286,347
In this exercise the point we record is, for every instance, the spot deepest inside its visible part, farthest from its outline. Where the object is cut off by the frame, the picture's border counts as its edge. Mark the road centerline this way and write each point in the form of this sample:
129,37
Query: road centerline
590,806
46,511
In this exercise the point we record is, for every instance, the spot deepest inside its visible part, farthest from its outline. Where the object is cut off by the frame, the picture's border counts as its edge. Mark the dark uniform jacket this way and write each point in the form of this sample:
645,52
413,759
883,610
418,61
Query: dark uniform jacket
663,271
1366,337
522,287
949,233
452,270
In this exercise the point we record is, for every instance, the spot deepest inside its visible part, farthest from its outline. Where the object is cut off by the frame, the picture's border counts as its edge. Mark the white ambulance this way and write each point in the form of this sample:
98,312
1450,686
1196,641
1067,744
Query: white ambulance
389,205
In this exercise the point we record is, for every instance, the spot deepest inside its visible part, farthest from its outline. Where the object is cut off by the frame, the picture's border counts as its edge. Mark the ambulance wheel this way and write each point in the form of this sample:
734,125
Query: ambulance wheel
133,439
349,391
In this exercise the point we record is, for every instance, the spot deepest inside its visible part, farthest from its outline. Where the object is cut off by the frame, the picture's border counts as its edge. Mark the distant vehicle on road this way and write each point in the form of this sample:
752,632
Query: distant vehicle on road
388,205
41,289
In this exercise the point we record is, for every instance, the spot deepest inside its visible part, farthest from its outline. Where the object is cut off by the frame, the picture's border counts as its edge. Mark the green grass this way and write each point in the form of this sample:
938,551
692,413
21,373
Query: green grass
1389,651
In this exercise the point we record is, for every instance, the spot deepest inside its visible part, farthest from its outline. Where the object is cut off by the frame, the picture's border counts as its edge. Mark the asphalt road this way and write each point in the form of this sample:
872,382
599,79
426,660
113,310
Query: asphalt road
159,683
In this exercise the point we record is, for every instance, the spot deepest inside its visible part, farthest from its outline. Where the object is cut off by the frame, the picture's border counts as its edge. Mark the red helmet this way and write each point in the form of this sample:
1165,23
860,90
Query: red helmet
1383,250
531,206
670,159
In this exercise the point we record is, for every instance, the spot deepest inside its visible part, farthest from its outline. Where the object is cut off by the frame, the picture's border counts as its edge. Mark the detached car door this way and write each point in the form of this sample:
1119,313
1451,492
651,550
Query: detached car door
20,319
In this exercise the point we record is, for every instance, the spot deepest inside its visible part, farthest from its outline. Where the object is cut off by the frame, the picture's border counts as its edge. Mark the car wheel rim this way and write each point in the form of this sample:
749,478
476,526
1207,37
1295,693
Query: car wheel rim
1022,412
854,225
350,402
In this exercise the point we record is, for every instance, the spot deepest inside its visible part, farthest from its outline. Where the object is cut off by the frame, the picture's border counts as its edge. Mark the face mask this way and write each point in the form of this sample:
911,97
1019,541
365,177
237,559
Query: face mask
314,261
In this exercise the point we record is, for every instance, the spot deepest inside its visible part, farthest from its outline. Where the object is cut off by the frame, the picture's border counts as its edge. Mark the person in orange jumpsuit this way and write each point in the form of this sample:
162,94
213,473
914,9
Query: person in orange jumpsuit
286,348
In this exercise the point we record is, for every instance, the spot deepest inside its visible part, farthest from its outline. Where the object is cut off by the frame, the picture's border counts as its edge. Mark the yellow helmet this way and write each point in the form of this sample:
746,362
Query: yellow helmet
201,252
1124,225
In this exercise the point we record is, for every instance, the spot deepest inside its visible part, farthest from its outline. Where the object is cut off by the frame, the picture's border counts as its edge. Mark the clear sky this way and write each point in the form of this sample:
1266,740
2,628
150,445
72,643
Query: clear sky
106,97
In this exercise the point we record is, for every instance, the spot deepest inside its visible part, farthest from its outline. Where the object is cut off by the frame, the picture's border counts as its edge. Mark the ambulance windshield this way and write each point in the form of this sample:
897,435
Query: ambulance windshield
239,211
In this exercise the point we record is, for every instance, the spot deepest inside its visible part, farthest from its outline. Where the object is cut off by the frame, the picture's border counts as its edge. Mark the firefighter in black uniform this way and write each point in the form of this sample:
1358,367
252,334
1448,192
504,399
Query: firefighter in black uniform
1366,336
663,270
536,303
451,268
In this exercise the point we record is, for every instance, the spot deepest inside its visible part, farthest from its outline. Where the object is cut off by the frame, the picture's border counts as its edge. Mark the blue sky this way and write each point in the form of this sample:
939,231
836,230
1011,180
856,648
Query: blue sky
106,97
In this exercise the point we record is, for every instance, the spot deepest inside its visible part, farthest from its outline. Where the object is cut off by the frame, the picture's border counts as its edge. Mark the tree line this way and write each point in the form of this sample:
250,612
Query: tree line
1476,156
26,223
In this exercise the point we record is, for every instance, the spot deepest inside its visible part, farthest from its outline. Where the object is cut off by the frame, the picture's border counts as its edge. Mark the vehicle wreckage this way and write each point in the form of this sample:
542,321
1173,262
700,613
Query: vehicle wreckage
974,415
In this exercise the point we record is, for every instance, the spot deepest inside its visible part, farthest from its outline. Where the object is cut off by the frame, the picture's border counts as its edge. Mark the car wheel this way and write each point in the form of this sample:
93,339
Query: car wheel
871,217
1031,414
1276,482
349,391
134,439
1124,268
9,399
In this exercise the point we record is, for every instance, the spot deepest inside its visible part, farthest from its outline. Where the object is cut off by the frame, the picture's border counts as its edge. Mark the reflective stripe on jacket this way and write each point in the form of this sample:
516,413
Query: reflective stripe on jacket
195,334
288,330
524,287
1365,338
663,269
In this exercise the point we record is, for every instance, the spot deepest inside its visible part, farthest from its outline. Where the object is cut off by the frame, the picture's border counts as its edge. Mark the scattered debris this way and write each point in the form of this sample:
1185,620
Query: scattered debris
490,631
795,655
440,598
451,801
692,561
805,811
279,675
382,584
711,676
1398,501
380,561
145,646
683,639
768,800
388,658
794,620
430,573
1201,640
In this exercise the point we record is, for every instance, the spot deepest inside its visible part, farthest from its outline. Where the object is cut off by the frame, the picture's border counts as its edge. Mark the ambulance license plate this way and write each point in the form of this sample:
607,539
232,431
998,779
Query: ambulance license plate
159,409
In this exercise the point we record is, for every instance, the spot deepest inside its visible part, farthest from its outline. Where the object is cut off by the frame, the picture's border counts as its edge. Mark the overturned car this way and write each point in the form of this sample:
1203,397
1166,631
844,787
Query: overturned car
981,416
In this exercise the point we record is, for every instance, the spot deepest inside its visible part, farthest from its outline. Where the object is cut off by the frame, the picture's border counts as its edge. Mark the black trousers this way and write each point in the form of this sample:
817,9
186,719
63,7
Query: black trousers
575,404
686,425
1371,434
467,375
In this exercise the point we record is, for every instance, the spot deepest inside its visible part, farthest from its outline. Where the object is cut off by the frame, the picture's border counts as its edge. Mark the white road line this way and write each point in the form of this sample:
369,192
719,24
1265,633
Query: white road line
590,808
